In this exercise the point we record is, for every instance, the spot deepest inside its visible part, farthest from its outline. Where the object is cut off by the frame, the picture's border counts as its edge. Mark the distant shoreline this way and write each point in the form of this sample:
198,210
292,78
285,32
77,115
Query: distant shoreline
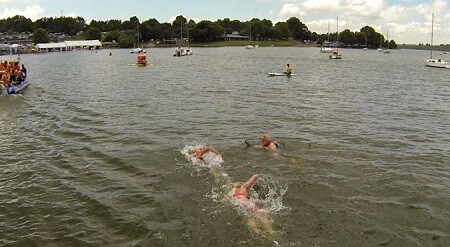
283,43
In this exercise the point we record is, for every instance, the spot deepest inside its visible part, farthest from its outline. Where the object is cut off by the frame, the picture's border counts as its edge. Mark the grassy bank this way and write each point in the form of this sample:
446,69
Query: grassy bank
279,43
425,47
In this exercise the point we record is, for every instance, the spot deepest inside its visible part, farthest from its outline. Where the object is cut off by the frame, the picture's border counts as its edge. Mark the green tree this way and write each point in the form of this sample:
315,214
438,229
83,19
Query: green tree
112,36
112,25
392,44
206,31
179,24
22,24
298,30
41,36
254,28
166,31
93,33
130,24
101,25
360,38
126,40
226,24
152,29
373,38
281,31
347,37
67,25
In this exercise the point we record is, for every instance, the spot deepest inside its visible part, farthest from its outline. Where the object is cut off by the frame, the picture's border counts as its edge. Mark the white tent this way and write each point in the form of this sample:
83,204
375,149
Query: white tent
69,45
83,44
51,46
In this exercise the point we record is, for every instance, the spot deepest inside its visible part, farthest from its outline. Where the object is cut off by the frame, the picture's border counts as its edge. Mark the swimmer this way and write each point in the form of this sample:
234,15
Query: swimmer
199,152
240,192
257,221
266,142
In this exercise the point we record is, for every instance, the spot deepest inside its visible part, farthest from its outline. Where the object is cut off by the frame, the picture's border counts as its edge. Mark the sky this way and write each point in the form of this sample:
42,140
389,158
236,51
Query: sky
405,21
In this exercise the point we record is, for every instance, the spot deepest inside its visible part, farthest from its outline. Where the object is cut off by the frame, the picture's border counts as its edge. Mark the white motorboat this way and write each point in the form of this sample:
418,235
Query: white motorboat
180,51
325,49
251,46
138,50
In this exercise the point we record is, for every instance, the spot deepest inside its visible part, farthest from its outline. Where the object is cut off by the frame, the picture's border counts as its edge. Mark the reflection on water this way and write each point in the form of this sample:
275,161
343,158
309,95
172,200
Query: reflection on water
93,152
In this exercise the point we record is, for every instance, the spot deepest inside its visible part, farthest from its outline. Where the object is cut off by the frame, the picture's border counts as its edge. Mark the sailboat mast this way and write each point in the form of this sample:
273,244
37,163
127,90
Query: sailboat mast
337,33
387,41
137,34
328,34
432,29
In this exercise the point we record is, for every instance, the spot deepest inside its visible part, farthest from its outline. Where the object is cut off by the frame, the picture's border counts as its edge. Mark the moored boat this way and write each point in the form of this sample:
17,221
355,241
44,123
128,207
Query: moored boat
138,50
435,62
14,88
13,77
180,51
335,54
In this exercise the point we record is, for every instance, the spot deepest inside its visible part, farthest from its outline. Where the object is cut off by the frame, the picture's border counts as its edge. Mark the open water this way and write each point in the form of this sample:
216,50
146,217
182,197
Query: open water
93,151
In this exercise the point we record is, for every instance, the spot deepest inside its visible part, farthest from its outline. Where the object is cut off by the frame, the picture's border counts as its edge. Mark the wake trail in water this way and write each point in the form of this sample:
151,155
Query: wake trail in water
265,197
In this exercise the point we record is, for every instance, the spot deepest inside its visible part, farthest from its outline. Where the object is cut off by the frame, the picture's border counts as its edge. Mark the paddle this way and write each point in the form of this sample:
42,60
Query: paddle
247,143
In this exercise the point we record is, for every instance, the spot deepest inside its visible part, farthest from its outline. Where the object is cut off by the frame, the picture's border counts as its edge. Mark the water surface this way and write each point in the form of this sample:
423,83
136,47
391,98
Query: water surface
91,151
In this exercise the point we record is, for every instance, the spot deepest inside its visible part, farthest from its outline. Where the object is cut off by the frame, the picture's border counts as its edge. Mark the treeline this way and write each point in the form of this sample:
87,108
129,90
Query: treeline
127,32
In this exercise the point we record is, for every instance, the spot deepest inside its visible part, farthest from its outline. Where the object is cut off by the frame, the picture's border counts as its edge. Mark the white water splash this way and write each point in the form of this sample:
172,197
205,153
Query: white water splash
210,160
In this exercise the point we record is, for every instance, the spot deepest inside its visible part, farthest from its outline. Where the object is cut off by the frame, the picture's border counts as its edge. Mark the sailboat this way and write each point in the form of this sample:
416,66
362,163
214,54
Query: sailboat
336,54
138,49
180,51
380,49
433,62
387,43
326,46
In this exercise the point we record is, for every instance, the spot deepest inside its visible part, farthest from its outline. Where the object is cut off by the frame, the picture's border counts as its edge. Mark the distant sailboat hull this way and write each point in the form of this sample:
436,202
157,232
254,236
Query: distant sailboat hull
326,50
335,55
437,63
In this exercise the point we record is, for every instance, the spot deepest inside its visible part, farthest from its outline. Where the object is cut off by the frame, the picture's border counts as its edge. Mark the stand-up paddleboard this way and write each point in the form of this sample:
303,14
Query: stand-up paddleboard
280,74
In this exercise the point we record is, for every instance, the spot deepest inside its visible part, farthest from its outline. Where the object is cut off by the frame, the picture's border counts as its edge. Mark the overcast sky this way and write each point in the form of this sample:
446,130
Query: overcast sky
408,21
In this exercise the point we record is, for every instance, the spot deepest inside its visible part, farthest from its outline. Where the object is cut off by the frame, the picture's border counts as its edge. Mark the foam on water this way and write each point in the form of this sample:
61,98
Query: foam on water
267,193
211,160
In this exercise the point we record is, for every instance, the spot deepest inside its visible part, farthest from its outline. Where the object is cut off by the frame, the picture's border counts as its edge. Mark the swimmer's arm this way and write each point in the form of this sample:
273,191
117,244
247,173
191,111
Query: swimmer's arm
211,149
272,146
251,181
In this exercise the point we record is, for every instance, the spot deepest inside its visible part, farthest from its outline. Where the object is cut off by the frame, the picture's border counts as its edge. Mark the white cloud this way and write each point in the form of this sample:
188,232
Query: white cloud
73,15
290,9
395,13
321,4
361,7
33,12
407,22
